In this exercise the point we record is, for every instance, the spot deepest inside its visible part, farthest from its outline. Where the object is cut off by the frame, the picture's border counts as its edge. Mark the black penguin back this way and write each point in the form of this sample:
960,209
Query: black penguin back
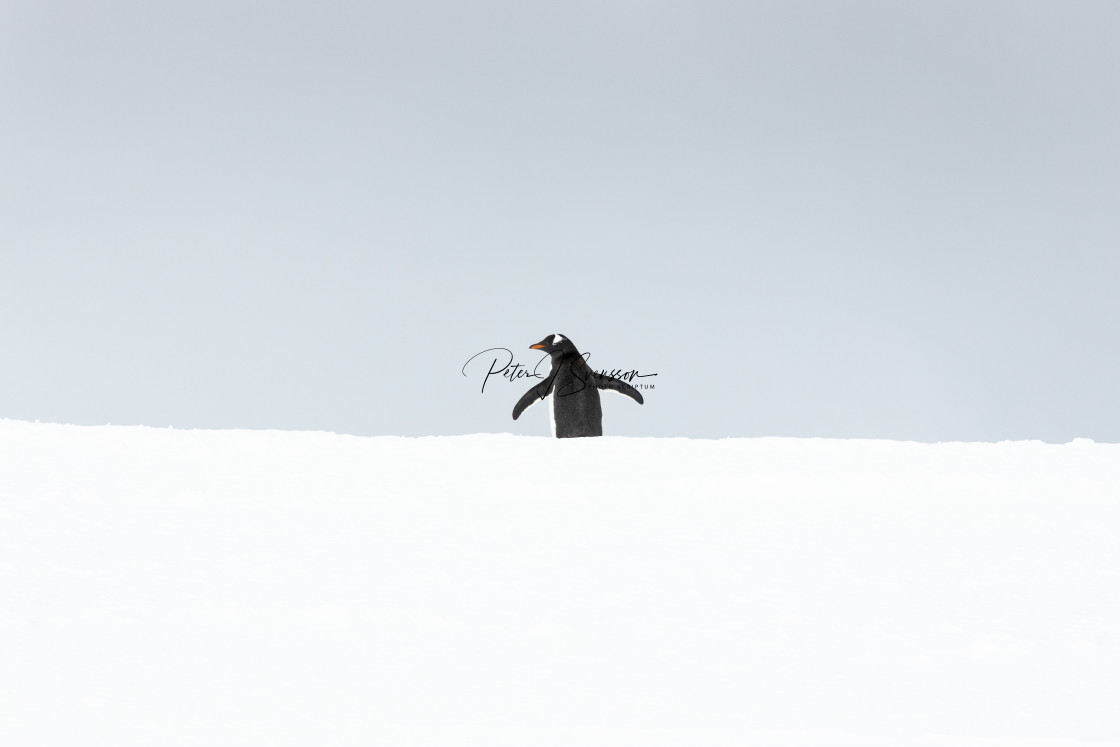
576,409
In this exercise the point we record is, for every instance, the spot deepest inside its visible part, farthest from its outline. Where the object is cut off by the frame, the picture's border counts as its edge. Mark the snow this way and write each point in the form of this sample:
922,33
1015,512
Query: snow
167,587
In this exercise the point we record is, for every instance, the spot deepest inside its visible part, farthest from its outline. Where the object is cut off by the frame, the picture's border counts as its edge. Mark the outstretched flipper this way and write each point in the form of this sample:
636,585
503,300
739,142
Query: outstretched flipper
535,394
611,384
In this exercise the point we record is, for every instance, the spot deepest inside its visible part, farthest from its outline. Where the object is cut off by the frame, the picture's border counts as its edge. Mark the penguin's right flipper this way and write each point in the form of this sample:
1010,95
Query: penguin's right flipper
610,383
535,394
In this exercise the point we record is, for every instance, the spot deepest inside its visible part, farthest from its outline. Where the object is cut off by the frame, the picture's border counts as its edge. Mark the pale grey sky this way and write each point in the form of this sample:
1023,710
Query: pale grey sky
861,219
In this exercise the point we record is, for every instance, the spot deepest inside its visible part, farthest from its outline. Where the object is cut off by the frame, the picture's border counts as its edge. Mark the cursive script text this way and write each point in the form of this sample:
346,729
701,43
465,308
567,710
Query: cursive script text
507,369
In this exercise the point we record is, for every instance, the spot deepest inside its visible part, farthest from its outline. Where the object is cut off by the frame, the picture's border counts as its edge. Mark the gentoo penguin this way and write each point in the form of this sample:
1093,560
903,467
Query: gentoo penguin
573,389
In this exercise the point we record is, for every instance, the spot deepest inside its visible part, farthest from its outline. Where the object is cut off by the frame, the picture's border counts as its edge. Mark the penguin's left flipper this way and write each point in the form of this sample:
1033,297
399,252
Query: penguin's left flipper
611,384
531,397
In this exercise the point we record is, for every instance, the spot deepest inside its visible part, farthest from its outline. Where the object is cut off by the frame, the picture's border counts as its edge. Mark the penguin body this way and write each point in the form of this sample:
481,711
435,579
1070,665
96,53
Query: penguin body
571,391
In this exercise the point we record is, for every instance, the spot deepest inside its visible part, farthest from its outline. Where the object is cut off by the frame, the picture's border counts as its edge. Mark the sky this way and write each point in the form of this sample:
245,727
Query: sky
812,219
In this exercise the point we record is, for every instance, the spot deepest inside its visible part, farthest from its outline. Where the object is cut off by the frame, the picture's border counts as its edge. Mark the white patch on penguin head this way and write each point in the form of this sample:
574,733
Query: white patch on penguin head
557,338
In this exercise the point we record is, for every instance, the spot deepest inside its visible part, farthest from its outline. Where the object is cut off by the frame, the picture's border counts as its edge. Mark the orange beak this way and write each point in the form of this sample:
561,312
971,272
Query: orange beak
535,347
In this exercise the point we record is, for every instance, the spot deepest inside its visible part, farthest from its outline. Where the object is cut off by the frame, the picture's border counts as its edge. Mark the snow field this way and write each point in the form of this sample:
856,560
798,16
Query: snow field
269,588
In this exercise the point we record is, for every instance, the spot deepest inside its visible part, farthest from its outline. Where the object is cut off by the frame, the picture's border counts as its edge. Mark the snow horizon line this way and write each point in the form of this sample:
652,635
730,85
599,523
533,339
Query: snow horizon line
1078,440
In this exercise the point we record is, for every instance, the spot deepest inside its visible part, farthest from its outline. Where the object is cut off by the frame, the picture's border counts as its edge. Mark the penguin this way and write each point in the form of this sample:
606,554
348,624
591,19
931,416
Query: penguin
573,390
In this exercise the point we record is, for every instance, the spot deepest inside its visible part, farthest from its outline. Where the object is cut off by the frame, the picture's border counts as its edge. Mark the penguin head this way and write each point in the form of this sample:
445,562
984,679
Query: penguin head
555,344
